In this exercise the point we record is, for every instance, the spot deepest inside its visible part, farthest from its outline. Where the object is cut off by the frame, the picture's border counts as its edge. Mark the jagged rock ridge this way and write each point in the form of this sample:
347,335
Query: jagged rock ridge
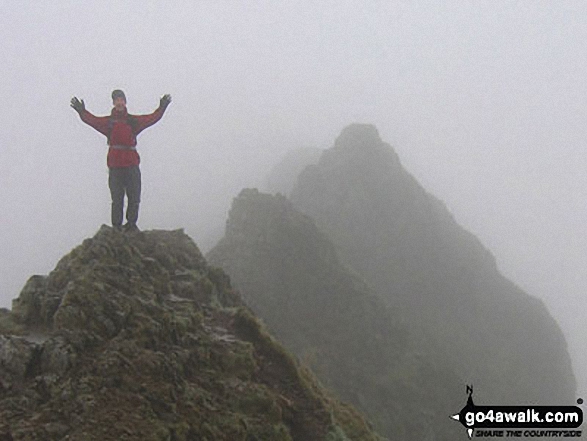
405,243
136,337
290,275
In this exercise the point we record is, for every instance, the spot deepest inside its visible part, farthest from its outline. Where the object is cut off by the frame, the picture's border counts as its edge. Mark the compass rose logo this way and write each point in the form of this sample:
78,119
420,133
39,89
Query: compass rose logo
469,407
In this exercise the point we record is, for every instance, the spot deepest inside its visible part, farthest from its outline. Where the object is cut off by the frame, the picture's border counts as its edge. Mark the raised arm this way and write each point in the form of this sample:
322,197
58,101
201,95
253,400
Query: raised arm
144,121
100,123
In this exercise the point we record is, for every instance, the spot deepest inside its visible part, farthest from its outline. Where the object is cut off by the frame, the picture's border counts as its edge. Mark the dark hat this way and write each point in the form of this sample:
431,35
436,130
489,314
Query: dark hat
118,93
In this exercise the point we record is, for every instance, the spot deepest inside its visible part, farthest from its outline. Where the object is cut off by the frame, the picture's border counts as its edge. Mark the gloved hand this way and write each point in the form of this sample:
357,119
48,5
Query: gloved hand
164,101
78,106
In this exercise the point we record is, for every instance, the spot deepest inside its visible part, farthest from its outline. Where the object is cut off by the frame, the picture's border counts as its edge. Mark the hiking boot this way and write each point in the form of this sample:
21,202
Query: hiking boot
130,228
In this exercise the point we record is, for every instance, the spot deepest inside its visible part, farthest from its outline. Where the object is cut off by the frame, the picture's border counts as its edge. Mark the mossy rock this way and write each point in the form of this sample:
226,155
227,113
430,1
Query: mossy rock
142,340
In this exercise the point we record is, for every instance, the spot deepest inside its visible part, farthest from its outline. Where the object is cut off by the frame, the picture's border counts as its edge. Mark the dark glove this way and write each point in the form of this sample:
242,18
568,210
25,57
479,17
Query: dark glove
78,106
164,101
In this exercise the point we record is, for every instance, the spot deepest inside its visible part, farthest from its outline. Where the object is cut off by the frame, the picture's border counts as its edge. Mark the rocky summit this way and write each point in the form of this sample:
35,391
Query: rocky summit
405,243
136,337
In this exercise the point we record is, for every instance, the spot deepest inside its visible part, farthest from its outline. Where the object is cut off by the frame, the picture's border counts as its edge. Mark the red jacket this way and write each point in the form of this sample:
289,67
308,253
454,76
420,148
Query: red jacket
122,129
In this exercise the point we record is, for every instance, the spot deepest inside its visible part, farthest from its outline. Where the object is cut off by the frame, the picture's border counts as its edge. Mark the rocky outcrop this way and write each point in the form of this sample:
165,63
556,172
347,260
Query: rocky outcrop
405,243
290,275
136,337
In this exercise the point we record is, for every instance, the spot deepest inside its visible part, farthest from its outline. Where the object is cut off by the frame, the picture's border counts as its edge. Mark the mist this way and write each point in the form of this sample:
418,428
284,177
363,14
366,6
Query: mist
484,102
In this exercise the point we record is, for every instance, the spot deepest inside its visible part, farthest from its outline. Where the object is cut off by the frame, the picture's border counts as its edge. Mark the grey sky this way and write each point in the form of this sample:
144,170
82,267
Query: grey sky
485,103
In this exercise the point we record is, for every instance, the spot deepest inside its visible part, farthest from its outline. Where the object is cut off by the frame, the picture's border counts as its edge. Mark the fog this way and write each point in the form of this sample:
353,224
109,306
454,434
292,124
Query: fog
485,102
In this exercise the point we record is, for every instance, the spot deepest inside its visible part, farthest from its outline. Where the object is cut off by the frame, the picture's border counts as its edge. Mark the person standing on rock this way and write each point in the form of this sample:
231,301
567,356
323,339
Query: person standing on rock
121,130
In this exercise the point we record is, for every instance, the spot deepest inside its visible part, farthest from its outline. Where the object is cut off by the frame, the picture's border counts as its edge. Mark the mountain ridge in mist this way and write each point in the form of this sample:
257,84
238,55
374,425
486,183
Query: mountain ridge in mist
289,274
407,246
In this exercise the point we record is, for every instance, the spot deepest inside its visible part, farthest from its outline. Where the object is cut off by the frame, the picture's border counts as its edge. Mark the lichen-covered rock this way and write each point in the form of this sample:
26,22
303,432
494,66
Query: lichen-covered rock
135,337
16,355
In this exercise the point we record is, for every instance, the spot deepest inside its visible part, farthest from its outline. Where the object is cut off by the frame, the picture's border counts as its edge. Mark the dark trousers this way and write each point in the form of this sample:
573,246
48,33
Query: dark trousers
125,180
